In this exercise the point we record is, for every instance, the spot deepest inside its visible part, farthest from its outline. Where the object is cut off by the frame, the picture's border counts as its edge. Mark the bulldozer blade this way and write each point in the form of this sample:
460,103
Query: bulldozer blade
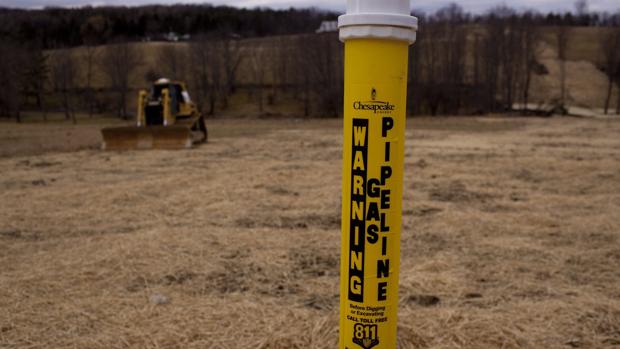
150,137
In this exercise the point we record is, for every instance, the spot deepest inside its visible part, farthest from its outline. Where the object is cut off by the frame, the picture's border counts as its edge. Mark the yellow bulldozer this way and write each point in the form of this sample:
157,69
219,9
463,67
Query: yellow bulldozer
166,119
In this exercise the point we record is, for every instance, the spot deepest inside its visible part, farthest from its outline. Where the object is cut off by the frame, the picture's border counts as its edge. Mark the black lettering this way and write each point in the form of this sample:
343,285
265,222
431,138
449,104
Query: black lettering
373,235
382,291
386,172
385,199
357,235
387,124
383,268
373,191
374,106
384,226
357,225
384,246
373,212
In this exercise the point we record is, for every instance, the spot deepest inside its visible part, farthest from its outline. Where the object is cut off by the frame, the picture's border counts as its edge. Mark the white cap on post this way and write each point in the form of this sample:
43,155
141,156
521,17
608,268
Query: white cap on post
378,19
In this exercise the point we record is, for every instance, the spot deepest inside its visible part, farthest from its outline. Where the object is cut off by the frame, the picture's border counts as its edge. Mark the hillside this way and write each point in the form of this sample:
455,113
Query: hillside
260,57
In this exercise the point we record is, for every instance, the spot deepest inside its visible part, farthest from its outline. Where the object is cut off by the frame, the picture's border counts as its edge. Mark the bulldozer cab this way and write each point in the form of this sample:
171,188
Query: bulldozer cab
175,91
180,102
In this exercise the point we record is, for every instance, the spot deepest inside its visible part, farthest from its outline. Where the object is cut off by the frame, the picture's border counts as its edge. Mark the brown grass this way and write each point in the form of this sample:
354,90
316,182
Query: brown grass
584,43
510,238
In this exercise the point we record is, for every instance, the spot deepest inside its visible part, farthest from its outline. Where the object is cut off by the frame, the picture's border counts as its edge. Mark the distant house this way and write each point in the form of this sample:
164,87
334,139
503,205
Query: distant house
172,36
328,27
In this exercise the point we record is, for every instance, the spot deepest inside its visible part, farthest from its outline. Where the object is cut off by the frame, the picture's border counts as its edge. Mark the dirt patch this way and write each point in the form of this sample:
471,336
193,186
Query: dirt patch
457,192
324,303
233,277
177,278
313,262
424,300
17,234
278,190
527,176
292,222
422,211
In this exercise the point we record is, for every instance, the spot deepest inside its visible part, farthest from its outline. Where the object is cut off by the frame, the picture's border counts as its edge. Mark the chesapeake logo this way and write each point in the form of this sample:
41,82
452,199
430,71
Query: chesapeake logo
373,104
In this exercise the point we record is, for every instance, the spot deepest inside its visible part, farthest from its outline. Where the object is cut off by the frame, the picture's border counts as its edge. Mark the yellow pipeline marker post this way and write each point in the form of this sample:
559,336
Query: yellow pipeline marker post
165,97
377,34
141,118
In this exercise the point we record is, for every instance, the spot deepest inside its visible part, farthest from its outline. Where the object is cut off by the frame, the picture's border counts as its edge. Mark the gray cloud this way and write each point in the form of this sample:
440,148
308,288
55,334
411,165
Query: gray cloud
477,6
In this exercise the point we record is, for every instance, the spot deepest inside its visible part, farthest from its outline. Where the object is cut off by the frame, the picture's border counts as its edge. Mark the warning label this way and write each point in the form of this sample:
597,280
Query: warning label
369,231
372,195
370,198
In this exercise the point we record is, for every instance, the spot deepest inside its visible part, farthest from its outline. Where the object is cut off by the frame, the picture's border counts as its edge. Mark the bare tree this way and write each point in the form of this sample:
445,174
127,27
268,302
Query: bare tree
171,60
581,8
445,60
258,59
90,56
303,76
562,34
618,89
117,64
530,43
317,72
327,64
231,52
63,77
610,46
476,54
454,70
430,51
413,80
12,80
512,64
281,65
492,61
201,70
206,67
35,76
500,68
451,13
438,64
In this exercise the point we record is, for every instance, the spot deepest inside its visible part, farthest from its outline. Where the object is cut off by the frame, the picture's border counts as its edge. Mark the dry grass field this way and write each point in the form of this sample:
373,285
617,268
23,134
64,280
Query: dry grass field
511,237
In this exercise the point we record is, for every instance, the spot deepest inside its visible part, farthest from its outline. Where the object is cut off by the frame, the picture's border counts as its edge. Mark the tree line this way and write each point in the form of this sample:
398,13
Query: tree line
461,64
489,67
58,27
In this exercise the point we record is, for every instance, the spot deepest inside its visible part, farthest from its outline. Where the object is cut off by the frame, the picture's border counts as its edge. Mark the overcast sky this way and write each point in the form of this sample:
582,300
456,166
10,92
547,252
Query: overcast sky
336,5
